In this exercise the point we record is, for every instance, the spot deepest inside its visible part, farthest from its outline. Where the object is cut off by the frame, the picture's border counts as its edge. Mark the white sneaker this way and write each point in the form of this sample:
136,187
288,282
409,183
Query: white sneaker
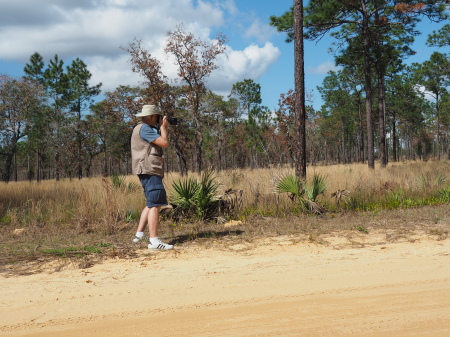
160,246
137,239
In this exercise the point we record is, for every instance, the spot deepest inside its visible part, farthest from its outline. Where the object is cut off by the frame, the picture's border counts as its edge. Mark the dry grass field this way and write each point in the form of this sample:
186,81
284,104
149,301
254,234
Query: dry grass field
92,219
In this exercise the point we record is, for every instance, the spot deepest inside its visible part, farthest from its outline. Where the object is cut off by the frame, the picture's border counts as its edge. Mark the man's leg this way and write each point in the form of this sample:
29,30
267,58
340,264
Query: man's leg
153,221
143,219
153,224
141,227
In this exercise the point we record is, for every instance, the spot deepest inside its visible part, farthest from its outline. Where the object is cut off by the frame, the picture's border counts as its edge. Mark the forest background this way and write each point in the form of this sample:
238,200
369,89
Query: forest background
54,125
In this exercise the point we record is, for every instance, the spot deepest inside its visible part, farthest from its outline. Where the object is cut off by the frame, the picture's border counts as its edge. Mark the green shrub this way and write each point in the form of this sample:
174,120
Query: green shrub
195,197
305,194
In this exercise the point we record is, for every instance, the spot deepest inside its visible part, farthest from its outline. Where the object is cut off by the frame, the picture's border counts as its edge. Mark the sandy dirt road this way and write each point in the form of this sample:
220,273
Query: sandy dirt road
275,287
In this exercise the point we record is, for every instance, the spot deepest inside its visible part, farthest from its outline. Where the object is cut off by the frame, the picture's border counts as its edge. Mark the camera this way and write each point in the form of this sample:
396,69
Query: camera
172,120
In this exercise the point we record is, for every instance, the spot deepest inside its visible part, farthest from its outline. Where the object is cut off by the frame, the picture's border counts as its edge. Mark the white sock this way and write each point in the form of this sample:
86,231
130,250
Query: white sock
154,240
139,235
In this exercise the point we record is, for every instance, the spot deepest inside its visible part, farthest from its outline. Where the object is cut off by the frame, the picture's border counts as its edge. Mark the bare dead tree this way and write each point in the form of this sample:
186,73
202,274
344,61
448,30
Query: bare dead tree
196,59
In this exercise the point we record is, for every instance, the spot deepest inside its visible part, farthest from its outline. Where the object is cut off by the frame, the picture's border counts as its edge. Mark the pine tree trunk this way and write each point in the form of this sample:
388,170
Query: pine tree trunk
368,90
182,168
438,131
361,133
382,119
394,138
300,111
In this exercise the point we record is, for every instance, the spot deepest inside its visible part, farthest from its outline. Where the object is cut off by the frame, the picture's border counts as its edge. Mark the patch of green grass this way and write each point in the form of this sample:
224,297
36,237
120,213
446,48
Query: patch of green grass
132,215
392,200
362,229
444,194
76,251
5,220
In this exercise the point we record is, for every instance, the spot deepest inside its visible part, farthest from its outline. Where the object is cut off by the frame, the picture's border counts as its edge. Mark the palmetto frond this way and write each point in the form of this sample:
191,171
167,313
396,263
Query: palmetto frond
305,193
198,196
184,192
290,184
206,193
316,188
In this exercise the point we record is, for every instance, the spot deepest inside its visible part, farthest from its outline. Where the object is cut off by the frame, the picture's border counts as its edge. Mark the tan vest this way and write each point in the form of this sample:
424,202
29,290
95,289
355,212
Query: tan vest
146,158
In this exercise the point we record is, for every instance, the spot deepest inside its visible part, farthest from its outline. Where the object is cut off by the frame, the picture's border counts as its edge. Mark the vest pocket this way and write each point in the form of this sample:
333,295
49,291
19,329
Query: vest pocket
155,166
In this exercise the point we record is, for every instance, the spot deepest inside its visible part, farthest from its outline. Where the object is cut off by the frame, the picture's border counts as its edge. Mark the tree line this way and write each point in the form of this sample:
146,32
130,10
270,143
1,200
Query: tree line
373,38
53,127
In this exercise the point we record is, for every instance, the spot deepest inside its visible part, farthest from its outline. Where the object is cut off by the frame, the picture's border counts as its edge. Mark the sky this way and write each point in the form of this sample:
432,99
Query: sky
95,31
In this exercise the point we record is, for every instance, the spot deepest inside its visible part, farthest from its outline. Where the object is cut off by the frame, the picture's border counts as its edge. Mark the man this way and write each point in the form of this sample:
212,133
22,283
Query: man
147,141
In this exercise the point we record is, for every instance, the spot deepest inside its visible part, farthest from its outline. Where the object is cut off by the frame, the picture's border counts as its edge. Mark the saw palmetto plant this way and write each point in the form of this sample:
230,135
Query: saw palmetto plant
195,196
306,194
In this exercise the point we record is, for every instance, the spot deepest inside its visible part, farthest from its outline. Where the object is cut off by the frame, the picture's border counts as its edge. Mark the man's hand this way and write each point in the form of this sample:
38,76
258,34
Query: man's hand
163,140
165,122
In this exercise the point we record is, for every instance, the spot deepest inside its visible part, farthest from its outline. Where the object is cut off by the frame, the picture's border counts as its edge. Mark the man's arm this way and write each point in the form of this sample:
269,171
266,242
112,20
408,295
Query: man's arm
163,140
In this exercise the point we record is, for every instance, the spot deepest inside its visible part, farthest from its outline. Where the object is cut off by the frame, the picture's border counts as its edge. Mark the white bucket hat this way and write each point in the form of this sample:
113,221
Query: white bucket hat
148,110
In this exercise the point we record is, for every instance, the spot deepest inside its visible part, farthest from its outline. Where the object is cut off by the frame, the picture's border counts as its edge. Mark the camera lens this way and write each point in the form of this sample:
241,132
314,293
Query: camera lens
173,121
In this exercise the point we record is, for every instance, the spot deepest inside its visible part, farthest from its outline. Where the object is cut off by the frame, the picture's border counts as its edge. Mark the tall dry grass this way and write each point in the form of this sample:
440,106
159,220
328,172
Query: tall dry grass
413,179
81,203
96,204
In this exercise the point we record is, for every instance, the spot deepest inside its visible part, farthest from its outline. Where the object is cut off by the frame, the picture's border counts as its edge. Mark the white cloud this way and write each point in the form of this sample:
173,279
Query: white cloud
323,68
260,31
427,94
88,30
229,6
112,72
95,31
250,63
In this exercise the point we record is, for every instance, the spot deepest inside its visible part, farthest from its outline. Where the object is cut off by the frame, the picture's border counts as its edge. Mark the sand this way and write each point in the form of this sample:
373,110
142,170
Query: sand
274,287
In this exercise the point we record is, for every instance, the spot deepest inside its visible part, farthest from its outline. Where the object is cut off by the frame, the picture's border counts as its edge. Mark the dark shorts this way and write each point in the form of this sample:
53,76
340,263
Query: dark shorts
154,190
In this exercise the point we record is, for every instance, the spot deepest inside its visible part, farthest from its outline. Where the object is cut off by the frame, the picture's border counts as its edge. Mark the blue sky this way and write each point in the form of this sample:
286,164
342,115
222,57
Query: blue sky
94,30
